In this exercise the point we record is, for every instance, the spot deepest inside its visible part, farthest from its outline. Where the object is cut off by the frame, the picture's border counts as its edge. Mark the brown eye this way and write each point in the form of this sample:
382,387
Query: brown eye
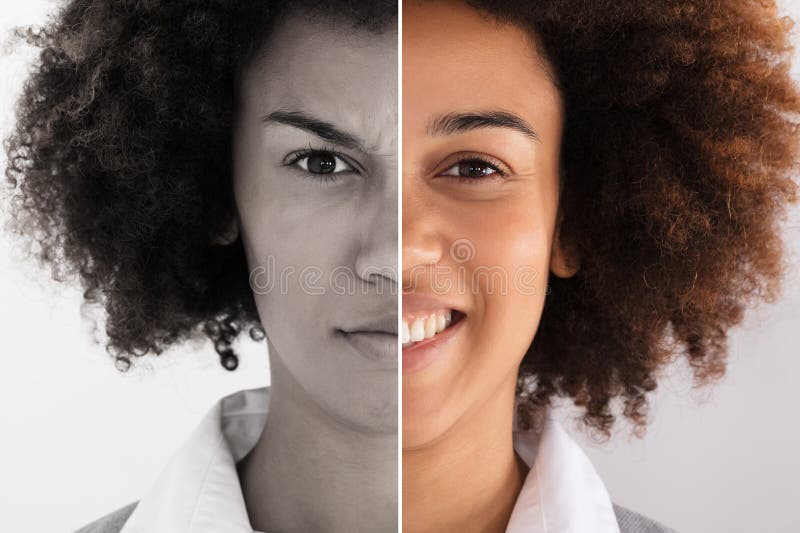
471,168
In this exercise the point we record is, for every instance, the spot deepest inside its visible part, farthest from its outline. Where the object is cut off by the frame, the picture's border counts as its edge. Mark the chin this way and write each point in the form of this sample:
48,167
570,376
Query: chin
370,413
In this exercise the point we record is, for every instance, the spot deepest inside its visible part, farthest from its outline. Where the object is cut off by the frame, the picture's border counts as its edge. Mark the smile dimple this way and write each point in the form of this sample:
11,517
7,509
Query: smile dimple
421,326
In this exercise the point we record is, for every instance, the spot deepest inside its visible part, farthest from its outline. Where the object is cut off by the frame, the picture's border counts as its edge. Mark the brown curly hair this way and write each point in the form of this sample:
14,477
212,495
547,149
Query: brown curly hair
119,163
678,161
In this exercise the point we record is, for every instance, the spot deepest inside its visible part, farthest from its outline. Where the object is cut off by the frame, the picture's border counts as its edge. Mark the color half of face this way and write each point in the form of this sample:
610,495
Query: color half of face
481,141
315,158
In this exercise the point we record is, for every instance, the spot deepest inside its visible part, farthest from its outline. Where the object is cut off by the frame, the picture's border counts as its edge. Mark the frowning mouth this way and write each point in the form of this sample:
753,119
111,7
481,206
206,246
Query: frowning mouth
379,346
374,336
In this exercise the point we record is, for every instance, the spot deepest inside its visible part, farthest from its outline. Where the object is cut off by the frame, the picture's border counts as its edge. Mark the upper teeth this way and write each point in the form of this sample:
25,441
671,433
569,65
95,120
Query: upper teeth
417,328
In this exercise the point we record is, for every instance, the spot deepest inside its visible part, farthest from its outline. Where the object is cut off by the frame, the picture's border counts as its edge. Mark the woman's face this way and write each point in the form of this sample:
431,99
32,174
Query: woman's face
315,163
481,140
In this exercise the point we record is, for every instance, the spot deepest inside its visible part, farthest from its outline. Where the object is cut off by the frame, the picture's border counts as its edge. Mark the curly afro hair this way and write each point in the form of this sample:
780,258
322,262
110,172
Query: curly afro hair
678,161
120,161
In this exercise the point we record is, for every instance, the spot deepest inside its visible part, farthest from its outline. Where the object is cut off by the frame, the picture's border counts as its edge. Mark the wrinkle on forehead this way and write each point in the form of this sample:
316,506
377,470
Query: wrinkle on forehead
341,75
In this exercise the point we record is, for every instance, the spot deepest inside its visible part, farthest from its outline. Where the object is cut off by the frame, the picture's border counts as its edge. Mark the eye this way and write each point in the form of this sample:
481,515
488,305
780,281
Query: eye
320,162
473,168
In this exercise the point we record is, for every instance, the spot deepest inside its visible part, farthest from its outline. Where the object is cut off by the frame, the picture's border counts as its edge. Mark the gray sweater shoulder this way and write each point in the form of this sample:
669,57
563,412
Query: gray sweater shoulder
110,523
633,522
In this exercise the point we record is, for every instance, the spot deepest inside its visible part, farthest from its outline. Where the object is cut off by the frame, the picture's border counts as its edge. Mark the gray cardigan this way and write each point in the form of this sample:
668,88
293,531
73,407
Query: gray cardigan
629,522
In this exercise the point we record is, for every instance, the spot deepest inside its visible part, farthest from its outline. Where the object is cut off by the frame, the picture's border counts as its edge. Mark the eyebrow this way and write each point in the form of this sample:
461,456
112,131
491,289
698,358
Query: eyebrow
453,123
320,128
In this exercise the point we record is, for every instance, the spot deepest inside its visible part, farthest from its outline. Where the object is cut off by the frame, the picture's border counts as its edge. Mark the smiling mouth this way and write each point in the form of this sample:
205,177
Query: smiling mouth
421,327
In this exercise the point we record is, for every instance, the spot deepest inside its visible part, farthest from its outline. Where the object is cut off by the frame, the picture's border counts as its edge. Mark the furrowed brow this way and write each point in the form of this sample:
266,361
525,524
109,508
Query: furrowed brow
320,128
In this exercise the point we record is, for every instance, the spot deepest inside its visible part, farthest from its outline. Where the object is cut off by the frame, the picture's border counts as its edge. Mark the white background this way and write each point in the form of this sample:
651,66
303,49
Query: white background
80,439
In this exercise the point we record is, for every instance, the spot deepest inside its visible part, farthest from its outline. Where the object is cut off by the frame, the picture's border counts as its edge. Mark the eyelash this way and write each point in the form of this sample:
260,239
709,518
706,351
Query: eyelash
494,164
292,159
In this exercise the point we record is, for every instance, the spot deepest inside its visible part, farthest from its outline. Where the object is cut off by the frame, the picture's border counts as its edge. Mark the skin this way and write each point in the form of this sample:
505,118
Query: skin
327,459
458,410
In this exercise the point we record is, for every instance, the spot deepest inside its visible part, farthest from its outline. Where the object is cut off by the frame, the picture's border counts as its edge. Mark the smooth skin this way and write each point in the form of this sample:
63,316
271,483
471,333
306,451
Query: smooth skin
497,187
322,96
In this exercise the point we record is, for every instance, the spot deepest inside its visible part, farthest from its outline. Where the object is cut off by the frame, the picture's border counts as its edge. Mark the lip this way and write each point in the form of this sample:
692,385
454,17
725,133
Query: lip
422,354
415,303
377,346
377,322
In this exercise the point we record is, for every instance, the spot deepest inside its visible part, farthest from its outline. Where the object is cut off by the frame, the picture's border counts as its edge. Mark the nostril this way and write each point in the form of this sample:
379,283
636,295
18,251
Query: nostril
377,264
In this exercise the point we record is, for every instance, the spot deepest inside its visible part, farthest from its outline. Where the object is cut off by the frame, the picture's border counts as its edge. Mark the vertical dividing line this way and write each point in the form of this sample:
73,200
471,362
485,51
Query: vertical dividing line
399,265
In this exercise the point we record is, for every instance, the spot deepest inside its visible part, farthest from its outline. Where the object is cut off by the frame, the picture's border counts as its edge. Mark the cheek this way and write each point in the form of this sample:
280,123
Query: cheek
512,239
510,236
291,250
300,226
512,249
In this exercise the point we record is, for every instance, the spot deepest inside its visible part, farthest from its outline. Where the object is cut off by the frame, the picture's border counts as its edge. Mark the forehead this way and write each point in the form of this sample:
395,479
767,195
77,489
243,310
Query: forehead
332,71
457,58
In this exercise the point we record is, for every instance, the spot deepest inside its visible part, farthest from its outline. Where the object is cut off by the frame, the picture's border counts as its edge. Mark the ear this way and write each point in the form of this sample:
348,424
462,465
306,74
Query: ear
565,261
227,234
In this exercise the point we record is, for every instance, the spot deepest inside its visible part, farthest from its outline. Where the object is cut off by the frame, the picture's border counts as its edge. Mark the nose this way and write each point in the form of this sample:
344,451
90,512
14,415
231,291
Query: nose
422,246
376,262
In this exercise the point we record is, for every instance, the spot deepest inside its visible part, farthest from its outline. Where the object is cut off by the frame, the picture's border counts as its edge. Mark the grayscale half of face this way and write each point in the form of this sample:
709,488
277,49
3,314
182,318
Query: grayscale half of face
315,181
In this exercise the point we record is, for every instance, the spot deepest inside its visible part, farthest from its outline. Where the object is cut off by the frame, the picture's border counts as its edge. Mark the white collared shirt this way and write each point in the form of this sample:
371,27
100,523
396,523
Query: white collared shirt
562,492
199,490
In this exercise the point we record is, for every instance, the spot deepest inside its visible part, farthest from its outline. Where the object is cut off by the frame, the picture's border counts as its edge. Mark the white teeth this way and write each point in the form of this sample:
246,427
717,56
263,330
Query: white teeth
425,326
430,327
417,331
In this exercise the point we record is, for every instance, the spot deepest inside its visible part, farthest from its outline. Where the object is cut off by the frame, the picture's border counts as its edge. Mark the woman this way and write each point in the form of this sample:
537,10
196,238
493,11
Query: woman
210,167
588,189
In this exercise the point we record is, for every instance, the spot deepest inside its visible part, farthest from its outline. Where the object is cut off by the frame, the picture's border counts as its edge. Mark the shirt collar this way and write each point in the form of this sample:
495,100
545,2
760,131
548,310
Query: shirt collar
562,491
199,491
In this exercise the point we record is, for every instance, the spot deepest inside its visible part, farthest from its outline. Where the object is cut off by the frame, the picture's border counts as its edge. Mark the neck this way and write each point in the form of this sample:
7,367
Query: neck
473,467
311,472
